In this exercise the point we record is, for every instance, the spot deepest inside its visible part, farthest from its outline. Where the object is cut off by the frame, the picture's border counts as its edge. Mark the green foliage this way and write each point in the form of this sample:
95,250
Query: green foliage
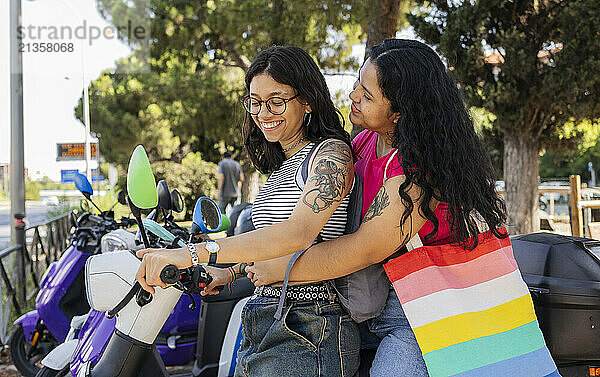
193,178
573,159
189,100
491,138
171,111
547,58
60,209
231,32
32,188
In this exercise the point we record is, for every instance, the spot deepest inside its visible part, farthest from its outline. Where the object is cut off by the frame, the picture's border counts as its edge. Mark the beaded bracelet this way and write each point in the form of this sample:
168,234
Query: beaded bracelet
242,272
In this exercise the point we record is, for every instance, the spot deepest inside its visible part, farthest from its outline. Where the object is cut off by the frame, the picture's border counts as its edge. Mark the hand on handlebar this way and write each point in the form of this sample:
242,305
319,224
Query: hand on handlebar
153,262
220,276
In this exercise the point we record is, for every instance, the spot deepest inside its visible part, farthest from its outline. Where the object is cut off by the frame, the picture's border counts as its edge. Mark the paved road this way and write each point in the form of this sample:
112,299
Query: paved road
36,212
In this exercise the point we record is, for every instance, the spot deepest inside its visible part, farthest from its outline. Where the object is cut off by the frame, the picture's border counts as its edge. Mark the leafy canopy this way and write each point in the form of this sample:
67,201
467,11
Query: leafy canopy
533,64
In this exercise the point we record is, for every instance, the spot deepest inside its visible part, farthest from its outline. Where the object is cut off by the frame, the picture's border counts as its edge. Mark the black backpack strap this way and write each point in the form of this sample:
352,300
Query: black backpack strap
302,173
301,176
354,210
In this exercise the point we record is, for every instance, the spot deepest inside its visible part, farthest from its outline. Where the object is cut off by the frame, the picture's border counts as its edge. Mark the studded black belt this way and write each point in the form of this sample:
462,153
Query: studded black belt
306,292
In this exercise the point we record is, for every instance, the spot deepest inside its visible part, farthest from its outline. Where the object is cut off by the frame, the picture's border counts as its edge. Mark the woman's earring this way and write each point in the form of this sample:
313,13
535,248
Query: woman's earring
307,119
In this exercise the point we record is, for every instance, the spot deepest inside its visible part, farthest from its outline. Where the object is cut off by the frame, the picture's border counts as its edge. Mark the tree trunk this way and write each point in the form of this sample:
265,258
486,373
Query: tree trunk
521,168
250,186
382,24
251,183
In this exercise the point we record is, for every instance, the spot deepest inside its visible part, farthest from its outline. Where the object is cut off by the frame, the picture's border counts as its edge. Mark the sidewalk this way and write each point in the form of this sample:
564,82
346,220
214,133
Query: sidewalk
6,203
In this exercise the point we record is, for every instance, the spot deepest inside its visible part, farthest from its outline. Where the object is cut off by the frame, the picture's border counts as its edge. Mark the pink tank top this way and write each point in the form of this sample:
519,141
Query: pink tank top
371,170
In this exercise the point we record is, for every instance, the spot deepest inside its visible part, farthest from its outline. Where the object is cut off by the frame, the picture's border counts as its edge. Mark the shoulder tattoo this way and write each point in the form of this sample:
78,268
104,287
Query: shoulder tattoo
380,201
329,176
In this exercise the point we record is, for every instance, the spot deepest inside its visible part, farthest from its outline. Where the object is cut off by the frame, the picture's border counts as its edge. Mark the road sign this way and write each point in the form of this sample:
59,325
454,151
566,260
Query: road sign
96,177
66,176
73,151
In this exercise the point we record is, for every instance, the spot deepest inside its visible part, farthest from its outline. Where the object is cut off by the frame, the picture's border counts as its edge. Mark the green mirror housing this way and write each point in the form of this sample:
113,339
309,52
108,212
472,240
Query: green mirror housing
141,185
225,223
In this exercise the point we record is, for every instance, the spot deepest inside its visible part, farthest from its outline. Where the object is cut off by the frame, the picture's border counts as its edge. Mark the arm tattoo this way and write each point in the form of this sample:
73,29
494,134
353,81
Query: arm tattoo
381,201
329,176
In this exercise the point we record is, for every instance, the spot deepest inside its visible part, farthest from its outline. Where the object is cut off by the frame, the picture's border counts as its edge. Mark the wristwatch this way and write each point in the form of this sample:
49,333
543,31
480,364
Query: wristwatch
213,248
193,253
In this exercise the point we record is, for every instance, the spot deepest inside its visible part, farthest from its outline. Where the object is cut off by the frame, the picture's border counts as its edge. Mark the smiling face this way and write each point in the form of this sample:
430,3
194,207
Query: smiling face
285,128
370,109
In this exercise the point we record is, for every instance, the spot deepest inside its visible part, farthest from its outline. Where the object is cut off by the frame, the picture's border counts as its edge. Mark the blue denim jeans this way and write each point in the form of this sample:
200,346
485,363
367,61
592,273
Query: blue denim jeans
313,338
398,354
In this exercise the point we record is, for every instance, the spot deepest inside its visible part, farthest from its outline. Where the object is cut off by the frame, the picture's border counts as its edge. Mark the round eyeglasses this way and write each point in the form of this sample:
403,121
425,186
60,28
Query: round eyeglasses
275,105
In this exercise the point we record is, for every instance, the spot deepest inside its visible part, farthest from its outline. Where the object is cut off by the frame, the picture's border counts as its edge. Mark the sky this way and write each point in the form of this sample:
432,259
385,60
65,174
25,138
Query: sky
48,97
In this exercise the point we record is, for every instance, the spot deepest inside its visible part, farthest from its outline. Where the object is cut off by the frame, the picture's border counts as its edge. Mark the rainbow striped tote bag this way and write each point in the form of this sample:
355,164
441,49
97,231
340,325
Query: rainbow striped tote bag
471,311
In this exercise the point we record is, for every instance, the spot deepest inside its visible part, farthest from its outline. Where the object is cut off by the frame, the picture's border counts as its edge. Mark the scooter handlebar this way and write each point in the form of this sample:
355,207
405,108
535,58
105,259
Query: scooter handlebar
170,274
97,219
193,279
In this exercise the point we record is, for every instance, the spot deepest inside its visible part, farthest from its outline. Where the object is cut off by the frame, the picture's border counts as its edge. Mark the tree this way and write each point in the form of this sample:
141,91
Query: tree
232,32
533,64
384,19
573,158
189,100
380,19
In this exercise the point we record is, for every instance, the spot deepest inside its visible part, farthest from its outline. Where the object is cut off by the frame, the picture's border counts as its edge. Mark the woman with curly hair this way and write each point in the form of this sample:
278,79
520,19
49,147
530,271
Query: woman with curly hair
424,170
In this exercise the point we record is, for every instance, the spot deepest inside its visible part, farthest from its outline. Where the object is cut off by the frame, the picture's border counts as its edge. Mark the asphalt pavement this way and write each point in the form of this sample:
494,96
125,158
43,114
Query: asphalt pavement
35,213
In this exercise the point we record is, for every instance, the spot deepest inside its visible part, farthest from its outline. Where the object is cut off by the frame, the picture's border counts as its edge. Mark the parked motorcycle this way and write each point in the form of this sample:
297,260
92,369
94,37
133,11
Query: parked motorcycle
61,296
563,276
176,342
110,281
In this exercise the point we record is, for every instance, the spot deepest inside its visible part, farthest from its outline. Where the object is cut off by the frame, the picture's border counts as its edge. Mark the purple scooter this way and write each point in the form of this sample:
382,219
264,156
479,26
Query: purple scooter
89,336
61,296
115,353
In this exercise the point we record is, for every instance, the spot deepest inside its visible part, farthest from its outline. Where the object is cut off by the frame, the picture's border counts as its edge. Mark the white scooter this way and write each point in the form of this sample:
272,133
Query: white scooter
111,287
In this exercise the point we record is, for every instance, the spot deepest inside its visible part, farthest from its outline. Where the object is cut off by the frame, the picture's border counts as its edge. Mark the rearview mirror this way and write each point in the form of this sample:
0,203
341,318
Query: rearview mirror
141,185
83,185
208,217
164,197
176,201
207,213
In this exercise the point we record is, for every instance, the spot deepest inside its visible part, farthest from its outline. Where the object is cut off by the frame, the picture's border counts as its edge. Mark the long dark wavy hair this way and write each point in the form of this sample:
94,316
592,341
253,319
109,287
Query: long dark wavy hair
440,151
294,67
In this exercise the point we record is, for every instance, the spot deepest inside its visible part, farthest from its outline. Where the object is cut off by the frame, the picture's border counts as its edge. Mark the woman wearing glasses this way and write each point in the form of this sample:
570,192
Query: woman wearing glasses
420,137
289,111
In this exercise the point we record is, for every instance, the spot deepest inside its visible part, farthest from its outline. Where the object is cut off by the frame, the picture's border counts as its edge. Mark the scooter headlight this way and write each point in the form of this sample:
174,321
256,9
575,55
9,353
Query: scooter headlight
119,239
110,243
